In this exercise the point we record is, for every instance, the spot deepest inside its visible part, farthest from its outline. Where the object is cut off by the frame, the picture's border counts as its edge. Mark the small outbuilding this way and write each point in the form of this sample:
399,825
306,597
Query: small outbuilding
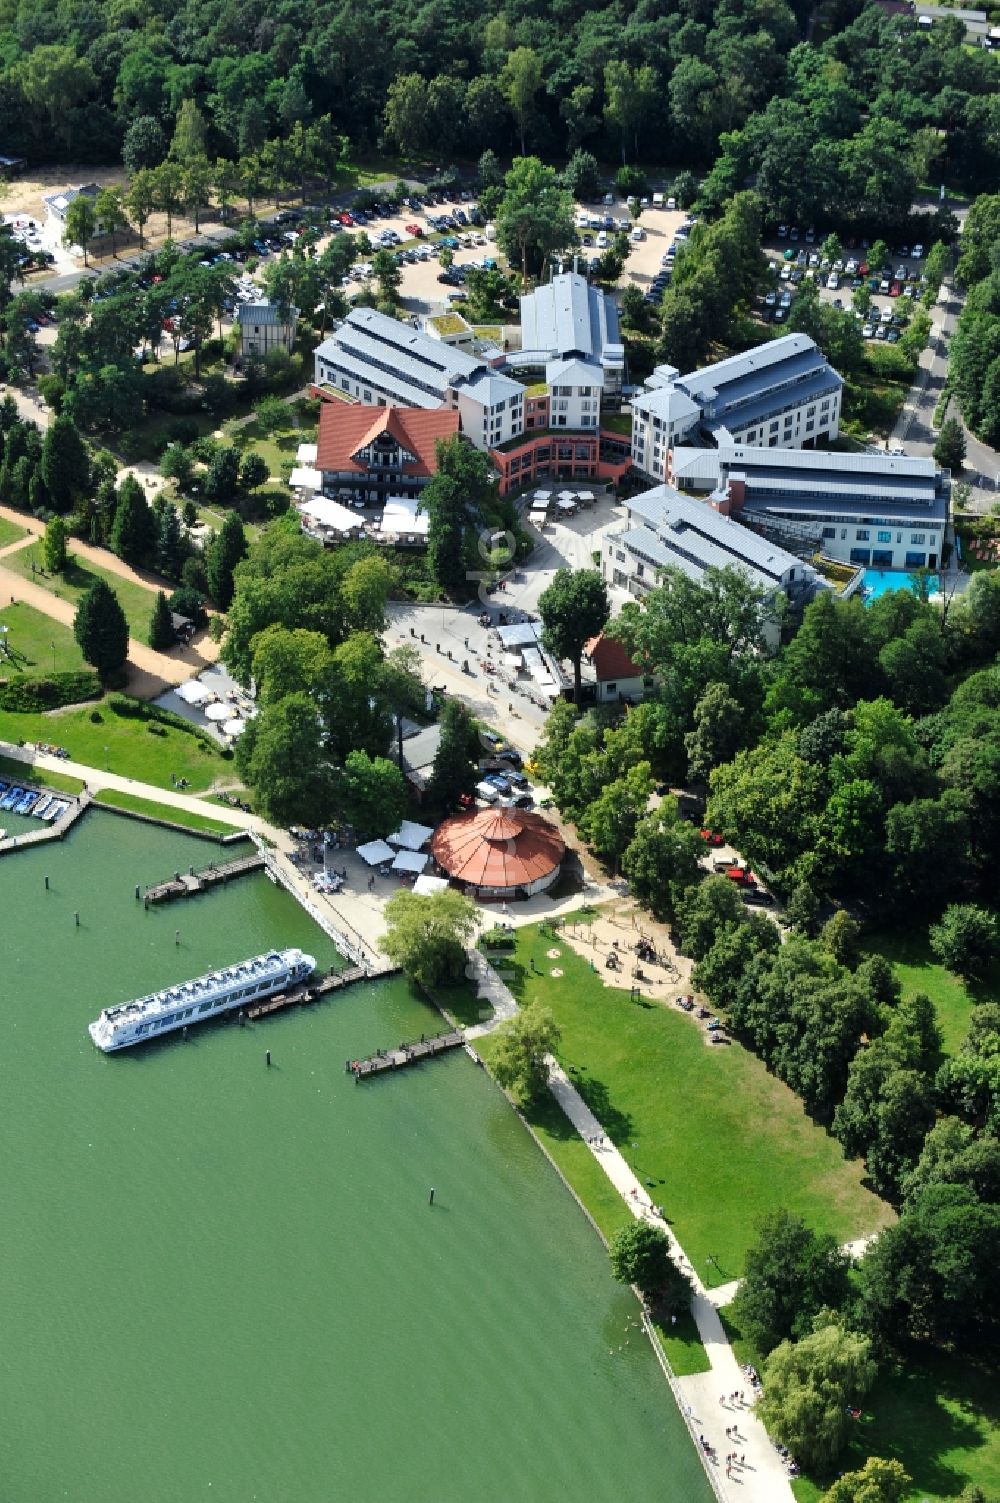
499,853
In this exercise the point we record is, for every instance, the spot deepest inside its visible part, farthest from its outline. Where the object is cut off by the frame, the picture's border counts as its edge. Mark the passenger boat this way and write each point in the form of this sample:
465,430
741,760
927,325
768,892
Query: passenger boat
10,798
43,803
206,997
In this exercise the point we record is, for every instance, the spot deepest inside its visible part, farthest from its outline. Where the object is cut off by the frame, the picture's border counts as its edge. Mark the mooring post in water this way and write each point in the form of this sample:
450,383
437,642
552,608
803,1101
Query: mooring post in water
430,1199
76,919
46,884
177,936
267,1059
137,892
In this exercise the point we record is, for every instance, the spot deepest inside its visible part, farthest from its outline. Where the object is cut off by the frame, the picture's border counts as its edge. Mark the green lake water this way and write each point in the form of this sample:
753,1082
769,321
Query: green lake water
223,1282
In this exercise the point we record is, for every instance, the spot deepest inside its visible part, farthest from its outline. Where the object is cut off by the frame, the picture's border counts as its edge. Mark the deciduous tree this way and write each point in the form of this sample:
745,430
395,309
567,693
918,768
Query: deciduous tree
808,1388
427,936
791,1273
640,1255
373,793
573,608
521,1046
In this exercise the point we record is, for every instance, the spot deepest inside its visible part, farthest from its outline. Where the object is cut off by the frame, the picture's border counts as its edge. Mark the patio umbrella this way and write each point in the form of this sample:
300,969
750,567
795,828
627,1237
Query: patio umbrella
218,711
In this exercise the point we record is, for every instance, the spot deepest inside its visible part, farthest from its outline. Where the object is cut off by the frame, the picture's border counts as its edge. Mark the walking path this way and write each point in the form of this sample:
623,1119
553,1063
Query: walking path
156,671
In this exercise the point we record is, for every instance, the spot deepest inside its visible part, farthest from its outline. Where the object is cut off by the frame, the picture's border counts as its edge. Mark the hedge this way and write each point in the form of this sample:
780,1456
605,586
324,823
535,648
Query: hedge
28,695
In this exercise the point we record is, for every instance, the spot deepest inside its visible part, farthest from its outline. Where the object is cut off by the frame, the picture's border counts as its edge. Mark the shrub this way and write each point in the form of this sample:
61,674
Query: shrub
96,718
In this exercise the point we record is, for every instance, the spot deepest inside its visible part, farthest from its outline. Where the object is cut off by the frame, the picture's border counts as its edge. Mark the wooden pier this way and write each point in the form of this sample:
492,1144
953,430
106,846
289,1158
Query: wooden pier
406,1054
56,830
185,884
309,991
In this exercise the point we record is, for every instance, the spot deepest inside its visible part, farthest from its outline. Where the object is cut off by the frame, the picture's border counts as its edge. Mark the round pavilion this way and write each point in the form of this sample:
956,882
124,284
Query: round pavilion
499,853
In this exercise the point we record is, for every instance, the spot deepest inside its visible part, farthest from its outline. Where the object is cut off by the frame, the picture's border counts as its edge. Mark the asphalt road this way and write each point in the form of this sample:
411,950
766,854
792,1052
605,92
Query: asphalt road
915,429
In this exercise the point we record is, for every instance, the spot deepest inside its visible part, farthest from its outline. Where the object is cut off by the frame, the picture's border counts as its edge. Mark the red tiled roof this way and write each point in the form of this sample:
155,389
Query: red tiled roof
610,660
498,848
343,430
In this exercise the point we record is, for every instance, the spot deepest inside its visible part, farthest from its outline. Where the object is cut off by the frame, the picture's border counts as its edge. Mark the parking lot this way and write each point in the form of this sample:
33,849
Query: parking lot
796,256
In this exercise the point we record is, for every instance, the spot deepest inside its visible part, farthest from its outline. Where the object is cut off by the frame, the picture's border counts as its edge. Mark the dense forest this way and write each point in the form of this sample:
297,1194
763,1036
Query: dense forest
854,121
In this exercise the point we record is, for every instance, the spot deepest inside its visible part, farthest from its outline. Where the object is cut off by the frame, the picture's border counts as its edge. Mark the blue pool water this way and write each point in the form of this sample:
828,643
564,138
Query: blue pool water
880,581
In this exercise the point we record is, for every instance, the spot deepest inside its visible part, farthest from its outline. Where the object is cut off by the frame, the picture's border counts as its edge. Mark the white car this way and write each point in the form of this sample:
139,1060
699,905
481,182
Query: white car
582,220
637,236
887,315
867,331
602,240
833,281
917,252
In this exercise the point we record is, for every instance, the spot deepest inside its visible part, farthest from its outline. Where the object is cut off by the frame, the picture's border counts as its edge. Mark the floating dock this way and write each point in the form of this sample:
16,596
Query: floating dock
186,884
406,1054
310,991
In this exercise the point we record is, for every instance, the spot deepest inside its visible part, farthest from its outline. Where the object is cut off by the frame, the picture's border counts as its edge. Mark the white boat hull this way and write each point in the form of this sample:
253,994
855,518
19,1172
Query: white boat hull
197,1001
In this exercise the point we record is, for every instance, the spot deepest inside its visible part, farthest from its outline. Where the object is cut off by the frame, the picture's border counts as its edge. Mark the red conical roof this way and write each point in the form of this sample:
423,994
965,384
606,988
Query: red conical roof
498,848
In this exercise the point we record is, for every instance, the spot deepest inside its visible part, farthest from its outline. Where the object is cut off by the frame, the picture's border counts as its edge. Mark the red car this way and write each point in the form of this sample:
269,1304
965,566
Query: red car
414,230
863,269
711,837
895,289
346,219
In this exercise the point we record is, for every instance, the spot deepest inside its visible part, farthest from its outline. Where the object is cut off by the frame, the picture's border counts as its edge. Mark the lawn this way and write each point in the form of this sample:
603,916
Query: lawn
970,562
40,645
276,449
10,532
60,782
918,971
121,744
189,818
77,577
718,1139
683,1347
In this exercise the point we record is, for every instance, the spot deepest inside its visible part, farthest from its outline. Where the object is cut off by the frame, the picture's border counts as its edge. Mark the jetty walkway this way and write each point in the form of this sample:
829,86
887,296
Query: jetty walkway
308,991
407,1054
186,884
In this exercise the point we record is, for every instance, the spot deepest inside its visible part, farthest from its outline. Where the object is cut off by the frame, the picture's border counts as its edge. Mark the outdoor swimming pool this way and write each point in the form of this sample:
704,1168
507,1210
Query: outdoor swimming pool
880,581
